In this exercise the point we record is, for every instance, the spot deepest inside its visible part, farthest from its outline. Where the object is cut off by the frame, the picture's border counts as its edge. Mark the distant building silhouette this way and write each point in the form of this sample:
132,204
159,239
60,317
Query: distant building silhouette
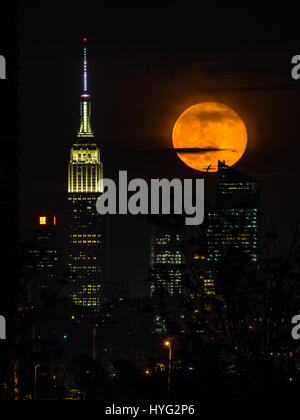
11,271
9,162
85,227
44,257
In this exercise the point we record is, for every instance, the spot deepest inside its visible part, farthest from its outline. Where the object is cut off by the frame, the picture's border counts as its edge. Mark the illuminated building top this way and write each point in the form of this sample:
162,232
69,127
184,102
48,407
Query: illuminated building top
85,169
47,221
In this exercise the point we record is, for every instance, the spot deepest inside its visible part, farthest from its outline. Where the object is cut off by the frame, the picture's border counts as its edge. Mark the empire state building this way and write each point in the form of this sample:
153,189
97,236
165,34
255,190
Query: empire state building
85,178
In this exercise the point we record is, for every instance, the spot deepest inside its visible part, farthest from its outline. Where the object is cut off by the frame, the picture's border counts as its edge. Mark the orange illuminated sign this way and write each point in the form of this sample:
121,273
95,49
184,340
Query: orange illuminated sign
43,220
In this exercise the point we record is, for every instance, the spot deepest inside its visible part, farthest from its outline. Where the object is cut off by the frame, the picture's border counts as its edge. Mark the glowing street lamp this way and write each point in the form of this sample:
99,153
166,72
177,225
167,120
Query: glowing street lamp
169,345
94,334
35,380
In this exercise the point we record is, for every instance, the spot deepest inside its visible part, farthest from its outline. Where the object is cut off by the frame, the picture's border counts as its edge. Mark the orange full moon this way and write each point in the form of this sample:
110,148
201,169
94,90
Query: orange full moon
208,132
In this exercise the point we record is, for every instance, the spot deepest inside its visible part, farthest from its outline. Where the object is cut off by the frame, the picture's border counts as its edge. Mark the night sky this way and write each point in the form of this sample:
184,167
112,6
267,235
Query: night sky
147,64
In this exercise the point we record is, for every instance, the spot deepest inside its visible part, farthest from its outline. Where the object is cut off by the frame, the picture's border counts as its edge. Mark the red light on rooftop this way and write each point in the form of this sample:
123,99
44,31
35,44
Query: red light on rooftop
84,39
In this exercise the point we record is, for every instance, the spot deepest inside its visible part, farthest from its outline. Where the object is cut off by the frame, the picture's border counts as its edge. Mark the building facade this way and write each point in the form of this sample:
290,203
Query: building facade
233,227
167,261
85,176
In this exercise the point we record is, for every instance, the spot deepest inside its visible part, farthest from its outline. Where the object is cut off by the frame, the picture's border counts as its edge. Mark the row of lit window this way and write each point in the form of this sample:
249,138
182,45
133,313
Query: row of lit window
85,235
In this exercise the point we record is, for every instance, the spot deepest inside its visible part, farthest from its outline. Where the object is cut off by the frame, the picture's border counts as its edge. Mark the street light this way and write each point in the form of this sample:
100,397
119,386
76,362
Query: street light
35,380
94,334
169,345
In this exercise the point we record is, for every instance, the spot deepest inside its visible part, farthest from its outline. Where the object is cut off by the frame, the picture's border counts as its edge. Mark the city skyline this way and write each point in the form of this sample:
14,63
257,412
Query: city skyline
138,95
99,304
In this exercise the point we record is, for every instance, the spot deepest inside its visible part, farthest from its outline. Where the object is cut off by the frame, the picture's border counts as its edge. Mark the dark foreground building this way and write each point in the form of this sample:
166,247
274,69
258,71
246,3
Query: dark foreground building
10,269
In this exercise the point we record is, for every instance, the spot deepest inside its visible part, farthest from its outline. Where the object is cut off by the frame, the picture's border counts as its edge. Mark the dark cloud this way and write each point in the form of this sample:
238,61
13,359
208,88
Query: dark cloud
293,86
198,150
193,150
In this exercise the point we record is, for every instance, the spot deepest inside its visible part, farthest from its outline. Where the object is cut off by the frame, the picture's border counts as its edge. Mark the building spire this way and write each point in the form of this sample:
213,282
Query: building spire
85,129
85,93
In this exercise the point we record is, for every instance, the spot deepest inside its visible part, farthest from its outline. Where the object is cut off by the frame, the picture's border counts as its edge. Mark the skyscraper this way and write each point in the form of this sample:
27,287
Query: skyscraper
233,226
85,178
